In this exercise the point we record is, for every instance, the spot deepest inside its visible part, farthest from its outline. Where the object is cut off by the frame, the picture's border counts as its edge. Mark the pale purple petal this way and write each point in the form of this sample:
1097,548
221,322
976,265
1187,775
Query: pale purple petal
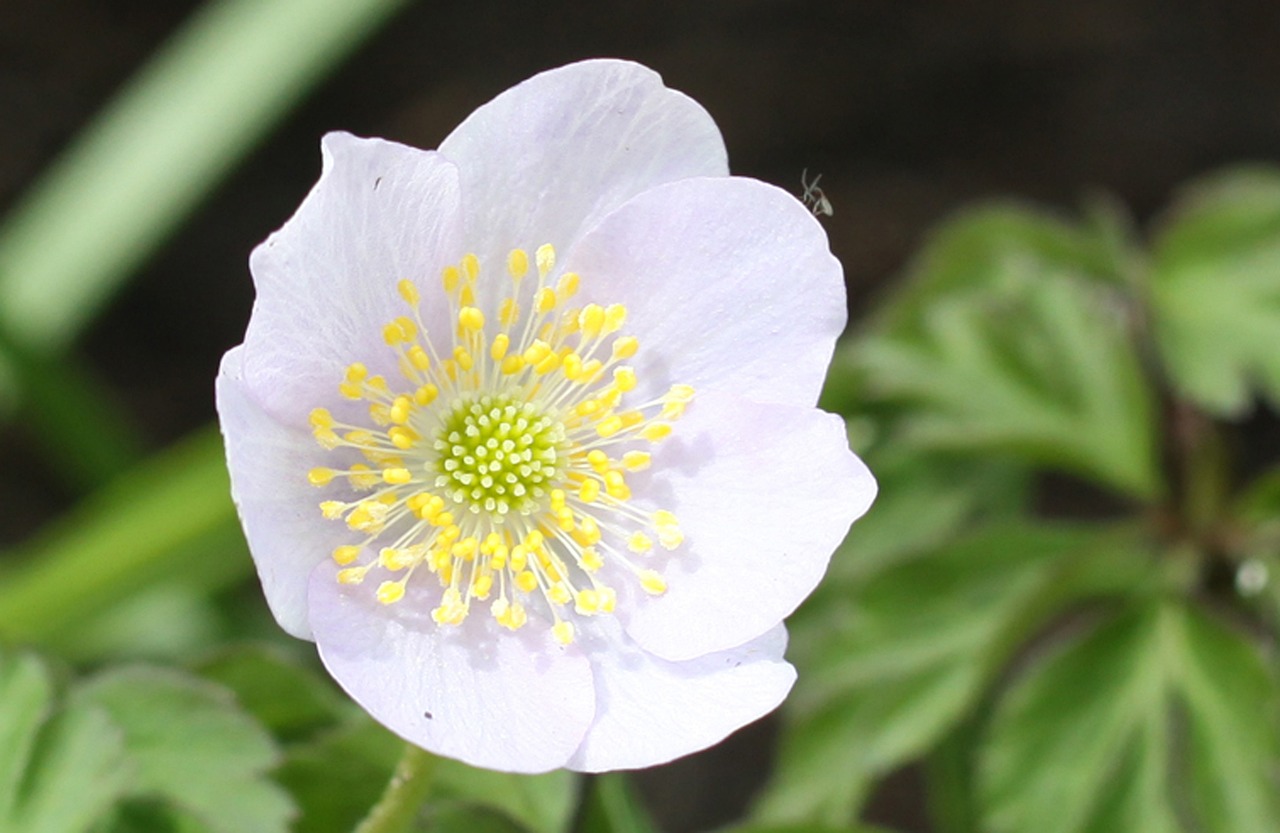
728,285
764,493
326,280
268,462
651,711
546,158
517,702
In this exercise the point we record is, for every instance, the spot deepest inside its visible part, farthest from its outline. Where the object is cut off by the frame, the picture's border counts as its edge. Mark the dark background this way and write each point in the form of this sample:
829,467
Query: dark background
909,110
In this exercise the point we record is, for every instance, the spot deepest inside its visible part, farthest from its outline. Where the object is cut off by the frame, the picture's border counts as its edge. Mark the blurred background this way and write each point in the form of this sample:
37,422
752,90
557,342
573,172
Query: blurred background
907,110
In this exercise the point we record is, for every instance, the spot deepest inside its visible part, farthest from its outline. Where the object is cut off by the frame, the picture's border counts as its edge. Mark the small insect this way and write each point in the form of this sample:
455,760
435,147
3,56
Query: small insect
813,196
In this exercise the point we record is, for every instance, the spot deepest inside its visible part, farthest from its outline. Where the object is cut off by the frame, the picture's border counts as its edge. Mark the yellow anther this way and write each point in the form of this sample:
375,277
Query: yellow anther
534,540
527,581
471,318
360,438
321,418
350,390
616,485
377,384
588,533
679,393
609,426
409,292
590,491
624,378
547,364
320,476
591,370
587,602
572,365
519,557
591,559
482,585
509,311
639,543
545,300
462,358
653,582
615,315
630,419
517,263
426,394
352,575
467,295
557,499
624,347
471,266
392,334
656,431
396,477
401,409
546,258
407,328
450,368
390,592
536,352
346,554
591,320
563,632
598,460
450,277
380,413
327,438
500,344
587,407
403,438
419,358
664,518
510,616
567,286
332,509
512,364
363,477
357,372
559,594
636,460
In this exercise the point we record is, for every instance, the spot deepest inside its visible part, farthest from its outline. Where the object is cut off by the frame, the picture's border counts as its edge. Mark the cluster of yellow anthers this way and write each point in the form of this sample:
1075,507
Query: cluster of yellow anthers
503,467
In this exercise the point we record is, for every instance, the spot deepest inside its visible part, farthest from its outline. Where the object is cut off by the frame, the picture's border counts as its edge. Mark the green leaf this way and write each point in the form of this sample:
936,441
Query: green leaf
58,771
336,776
1037,364
190,745
541,803
888,669
1215,290
292,701
612,805
1158,720
804,828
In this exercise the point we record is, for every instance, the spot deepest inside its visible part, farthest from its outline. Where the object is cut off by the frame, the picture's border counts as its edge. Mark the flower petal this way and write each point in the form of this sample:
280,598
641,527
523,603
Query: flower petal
651,711
728,283
326,280
268,462
516,702
545,159
764,493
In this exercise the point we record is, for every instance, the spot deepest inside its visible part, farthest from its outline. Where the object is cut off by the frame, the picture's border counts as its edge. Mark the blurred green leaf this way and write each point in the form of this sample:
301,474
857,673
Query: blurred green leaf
889,668
190,745
612,805
1036,364
201,103
541,803
291,701
1215,289
171,516
59,770
446,817
804,828
1159,719
336,776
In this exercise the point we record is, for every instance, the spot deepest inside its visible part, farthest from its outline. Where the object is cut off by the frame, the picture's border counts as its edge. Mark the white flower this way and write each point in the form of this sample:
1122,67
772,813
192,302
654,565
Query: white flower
522,432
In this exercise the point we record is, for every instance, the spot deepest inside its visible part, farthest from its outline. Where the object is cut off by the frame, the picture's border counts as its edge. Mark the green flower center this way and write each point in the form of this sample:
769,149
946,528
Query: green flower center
498,455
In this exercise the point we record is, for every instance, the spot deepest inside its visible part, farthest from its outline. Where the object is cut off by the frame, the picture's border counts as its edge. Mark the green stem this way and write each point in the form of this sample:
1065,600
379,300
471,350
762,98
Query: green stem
404,795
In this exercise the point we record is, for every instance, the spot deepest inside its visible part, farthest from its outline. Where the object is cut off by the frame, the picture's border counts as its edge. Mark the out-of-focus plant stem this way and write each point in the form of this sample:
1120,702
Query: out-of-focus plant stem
405,794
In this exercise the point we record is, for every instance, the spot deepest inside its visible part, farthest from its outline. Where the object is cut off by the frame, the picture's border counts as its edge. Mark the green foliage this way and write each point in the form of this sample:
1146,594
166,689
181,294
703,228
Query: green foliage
1215,290
1159,720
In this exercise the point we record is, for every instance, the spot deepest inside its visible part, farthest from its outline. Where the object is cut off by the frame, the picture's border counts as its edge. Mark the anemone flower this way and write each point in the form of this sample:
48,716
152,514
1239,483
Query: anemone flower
523,431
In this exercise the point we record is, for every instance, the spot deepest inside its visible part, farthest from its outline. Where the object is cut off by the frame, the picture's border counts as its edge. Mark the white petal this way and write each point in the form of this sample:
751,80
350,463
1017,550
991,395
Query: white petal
651,711
516,702
326,280
728,284
764,493
547,157
268,462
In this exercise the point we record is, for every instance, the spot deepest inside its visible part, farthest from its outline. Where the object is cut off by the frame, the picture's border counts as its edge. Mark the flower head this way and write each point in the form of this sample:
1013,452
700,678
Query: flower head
522,432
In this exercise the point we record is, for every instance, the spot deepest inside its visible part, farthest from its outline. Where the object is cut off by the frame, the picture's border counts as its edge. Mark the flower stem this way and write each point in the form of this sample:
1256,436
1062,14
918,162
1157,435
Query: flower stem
404,795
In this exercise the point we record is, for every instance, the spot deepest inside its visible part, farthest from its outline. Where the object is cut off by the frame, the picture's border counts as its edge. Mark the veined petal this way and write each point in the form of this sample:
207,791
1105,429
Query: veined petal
326,281
764,494
277,507
548,157
651,711
512,702
729,285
